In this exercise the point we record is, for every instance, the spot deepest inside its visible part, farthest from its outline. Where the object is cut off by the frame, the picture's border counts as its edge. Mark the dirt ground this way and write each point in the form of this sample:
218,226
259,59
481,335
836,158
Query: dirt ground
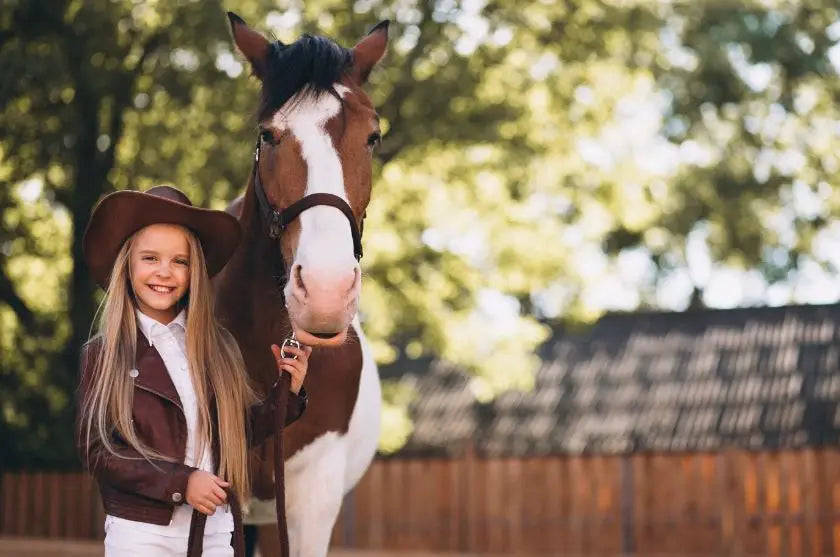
22,547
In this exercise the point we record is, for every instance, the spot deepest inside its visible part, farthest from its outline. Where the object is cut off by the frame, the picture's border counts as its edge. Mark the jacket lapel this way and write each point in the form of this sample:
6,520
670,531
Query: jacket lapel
152,375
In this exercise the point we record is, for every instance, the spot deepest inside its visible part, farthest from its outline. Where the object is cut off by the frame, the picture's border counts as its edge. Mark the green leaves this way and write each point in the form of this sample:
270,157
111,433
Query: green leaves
538,165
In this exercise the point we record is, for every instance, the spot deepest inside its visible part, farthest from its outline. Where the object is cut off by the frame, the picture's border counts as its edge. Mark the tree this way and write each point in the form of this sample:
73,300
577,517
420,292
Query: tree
531,156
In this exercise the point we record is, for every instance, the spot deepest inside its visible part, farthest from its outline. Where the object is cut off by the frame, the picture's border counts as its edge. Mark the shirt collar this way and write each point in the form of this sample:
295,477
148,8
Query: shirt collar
149,324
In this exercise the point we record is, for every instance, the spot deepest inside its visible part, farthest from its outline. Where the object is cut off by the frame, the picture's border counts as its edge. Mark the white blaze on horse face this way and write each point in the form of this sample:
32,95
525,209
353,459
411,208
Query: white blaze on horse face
325,248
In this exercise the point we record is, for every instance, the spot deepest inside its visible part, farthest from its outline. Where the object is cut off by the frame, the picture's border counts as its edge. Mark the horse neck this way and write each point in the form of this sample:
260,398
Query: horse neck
247,282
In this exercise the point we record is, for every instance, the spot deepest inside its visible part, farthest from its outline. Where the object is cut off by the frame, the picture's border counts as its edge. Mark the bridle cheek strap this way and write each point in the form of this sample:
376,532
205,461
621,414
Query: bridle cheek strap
276,220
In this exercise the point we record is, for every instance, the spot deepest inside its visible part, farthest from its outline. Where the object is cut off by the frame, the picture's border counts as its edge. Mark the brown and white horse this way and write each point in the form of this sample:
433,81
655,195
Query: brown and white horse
297,268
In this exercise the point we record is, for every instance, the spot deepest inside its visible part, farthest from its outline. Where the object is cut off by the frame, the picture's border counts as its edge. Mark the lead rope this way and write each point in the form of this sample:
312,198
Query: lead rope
195,543
279,462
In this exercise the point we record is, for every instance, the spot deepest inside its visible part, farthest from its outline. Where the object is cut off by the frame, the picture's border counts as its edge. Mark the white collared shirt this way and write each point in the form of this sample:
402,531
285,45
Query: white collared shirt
170,342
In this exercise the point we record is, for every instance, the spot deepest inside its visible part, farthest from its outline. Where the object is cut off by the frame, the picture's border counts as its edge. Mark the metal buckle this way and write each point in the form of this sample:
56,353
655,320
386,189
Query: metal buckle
290,341
277,225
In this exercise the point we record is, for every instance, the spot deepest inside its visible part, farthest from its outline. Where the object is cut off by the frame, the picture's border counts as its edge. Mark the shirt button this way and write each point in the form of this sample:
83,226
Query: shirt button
183,367
176,497
134,373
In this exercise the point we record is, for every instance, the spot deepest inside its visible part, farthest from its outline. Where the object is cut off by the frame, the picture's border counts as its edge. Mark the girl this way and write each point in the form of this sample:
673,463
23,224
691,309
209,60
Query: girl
166,413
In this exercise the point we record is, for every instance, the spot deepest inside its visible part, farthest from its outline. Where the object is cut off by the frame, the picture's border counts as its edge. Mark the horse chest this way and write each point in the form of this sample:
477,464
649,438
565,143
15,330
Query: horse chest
332,384
352,449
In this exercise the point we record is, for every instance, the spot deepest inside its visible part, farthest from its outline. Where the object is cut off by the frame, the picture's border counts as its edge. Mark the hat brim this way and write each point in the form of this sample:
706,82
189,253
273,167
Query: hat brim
121,214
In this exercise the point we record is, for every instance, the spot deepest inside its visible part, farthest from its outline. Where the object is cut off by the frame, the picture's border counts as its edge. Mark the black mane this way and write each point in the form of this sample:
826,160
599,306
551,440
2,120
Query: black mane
310,65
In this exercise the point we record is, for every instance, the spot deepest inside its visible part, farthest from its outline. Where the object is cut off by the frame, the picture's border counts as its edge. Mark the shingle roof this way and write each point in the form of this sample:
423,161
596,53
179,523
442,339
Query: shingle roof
701,380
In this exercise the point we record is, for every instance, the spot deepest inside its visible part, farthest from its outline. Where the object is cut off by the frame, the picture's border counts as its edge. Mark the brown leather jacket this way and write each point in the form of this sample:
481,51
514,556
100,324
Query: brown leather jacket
134,488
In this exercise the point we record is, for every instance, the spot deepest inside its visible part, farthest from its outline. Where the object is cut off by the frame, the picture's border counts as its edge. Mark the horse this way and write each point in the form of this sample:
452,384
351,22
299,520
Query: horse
297,268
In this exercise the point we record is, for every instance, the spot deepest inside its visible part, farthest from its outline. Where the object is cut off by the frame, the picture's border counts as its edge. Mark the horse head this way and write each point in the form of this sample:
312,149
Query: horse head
312,170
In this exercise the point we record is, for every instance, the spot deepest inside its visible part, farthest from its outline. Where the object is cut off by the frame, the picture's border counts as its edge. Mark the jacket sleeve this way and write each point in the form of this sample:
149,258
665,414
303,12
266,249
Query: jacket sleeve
127,470
261,415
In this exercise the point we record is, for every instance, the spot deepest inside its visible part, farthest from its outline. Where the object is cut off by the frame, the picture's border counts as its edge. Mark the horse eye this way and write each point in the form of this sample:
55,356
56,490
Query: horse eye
267,136
374,139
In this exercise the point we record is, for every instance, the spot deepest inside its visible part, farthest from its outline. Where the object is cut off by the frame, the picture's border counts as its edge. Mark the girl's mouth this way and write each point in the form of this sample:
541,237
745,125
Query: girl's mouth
162,289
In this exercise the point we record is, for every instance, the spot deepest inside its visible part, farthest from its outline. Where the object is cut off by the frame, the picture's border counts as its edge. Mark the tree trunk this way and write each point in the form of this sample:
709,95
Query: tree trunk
89,186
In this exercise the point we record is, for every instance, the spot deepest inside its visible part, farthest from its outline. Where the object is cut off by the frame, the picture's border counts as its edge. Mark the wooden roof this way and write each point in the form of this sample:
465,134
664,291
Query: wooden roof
700,380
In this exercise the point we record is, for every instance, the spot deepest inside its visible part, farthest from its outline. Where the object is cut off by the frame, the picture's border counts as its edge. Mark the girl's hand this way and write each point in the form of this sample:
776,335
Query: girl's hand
296,367
205,491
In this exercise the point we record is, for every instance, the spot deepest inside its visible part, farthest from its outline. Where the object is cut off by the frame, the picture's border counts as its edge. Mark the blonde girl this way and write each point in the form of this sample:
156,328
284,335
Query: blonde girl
165,411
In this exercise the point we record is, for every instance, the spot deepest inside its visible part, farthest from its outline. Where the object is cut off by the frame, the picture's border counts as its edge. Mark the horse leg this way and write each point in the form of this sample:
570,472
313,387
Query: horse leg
314,492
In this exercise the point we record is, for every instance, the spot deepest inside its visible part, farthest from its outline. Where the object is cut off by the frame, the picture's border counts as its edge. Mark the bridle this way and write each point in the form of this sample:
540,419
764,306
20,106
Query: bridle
276,220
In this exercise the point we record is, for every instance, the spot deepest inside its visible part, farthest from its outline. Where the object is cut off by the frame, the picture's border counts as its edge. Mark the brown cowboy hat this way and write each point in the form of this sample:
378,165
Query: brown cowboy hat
121,214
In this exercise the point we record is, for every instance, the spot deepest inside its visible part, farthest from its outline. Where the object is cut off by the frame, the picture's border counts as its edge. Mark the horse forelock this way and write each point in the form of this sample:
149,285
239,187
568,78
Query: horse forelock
305,69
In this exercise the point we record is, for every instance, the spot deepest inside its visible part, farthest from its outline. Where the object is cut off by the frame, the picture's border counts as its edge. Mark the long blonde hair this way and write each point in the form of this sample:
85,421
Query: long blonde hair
212,354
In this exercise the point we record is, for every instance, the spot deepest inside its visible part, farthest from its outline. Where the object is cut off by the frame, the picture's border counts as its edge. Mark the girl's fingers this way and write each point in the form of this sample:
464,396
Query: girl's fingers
220,494
220,481
296,367
299,364
293,370
292,366
276,351
294,351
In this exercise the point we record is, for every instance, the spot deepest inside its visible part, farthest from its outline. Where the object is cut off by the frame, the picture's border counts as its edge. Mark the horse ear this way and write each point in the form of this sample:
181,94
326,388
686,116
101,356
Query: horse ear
250,43
369,51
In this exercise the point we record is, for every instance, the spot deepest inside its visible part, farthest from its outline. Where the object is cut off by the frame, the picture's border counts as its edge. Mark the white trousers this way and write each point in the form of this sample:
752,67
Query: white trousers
129,542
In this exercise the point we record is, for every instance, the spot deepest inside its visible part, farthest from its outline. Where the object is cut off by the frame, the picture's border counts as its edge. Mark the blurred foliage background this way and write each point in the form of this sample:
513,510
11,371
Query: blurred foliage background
543,162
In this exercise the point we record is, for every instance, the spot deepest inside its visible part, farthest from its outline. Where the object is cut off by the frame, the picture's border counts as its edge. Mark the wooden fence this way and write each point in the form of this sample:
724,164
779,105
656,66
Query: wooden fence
734,503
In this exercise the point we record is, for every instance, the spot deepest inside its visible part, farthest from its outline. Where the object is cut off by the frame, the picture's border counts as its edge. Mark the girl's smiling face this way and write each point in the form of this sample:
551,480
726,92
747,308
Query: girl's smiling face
159,266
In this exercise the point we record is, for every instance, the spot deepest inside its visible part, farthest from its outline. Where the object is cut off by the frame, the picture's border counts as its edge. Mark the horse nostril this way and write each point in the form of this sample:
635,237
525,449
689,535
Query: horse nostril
298,277
357,277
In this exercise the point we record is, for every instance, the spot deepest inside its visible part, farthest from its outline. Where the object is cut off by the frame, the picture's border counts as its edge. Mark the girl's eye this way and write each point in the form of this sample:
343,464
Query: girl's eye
148,258
183,262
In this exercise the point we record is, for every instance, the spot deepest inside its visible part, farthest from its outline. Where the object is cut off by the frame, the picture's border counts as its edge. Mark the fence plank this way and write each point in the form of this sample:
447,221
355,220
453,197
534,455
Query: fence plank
10,509
810,528
753,539
824,504
833,463
557,505
24,503
791,505
773,506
